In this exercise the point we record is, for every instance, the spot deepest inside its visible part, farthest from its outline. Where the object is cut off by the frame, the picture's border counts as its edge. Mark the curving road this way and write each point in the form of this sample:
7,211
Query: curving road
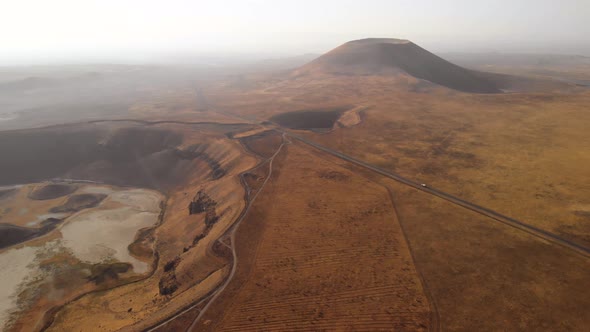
233,230
216,292
535,231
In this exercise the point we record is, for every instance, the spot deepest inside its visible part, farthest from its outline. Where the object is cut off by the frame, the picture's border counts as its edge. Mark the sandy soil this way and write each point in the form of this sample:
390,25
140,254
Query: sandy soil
139,199
97,190
250,132
351,117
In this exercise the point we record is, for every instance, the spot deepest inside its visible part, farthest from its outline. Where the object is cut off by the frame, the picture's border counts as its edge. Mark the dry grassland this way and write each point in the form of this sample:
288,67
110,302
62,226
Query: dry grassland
328,246
487,276
483,275
320,249
524,156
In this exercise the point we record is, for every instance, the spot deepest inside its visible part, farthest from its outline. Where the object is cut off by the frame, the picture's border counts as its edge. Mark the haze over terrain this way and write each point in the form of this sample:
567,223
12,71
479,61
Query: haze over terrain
35,31
248,165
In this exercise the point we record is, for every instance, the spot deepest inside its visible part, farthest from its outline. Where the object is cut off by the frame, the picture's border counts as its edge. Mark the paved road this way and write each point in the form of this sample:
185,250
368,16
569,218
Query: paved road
453,199
535,231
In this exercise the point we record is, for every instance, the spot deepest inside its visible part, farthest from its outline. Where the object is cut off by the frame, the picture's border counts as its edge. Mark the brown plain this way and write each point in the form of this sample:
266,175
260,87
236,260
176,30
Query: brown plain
313,259
493,150
330,246
524,155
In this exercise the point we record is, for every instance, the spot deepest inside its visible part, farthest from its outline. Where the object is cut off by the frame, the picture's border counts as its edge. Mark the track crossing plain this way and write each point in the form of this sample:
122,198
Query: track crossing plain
314,259
322,223
296,247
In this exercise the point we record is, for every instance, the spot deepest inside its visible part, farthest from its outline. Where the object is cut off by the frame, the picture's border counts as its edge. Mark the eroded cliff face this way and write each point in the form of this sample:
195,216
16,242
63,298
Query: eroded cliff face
154,157
205,196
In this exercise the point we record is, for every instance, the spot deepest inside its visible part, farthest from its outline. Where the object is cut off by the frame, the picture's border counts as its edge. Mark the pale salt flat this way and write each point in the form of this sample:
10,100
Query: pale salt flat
144,200
104,235
94,236
15,266
97,190
19,269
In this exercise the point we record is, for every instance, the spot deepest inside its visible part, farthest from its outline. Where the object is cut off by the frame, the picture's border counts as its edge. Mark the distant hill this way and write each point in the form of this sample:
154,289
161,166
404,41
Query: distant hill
36,82
28,83
380,56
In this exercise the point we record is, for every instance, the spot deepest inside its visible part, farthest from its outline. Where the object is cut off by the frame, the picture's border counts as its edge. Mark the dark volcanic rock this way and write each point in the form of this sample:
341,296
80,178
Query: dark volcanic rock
102,272
168,284
383,56
201,203
52,191
310,119
11,234
79,202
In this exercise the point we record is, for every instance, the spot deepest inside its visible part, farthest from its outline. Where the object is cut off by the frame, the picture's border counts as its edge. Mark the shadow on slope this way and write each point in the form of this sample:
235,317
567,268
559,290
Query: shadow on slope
130,156
384,56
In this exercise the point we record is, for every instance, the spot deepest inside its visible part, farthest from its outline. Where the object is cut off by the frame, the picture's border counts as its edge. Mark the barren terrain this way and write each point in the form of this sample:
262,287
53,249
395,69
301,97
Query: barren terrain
70,253
320,259
379,187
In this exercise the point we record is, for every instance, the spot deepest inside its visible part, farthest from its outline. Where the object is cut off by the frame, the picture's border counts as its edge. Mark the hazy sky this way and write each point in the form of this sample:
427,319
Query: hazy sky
47,30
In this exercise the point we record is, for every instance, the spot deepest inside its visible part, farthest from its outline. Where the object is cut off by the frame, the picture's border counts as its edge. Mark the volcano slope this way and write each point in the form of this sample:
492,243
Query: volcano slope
327,245
382,56
521,154
493,149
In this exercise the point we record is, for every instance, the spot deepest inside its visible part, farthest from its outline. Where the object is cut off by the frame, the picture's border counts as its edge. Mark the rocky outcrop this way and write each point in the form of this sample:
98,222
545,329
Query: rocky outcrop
201,203
168,283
